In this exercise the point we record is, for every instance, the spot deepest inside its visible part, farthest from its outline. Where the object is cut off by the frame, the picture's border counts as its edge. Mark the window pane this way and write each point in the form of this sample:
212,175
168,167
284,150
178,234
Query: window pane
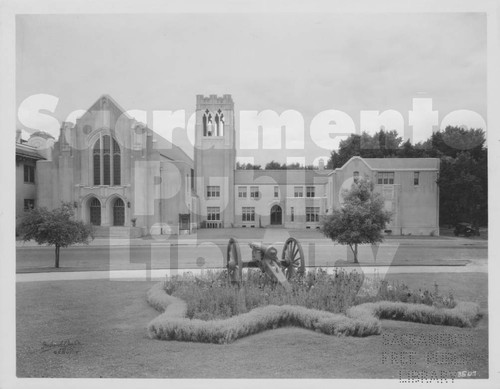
116,169
97,169
107,169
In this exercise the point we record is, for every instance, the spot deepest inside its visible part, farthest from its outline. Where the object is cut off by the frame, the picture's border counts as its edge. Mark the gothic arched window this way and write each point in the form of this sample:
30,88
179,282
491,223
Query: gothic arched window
107,161
97,162
116,163
219,123
208,125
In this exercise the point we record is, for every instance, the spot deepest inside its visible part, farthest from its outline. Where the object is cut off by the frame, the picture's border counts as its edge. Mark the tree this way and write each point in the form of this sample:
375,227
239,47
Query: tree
383,144
56,227
273,165
247,166
360,220
462,190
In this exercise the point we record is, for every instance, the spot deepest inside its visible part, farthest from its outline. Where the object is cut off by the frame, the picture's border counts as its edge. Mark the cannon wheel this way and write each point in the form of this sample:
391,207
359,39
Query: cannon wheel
292,258
234,262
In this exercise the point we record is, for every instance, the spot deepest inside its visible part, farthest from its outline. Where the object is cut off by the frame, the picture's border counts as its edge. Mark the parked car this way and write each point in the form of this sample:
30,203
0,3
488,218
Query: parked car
466,229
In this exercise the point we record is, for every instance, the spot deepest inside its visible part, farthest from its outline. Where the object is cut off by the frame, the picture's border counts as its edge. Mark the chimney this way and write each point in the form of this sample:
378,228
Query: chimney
18,136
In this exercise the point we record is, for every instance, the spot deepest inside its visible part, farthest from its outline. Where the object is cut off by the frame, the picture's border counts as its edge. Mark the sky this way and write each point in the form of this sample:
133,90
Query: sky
326,70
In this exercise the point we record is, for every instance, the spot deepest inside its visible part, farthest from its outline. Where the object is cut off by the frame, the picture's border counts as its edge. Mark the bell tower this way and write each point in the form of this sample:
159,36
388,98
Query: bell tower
215,159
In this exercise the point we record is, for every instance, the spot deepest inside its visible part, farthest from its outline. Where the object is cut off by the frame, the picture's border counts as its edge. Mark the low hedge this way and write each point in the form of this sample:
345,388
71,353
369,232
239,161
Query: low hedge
464,314
361,320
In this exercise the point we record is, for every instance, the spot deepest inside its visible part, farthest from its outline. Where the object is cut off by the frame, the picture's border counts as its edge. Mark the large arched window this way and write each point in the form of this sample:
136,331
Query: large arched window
116,163
97,162
107,161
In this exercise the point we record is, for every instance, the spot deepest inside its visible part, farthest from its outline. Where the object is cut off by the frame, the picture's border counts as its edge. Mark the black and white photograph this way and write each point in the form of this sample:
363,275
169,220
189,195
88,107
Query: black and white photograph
240,190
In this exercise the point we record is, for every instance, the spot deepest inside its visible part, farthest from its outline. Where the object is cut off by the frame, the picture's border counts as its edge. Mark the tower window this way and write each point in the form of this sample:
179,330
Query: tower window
219,123
208,124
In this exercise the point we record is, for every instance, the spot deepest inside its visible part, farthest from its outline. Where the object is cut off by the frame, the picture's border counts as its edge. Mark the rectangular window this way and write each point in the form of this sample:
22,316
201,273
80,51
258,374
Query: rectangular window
385,178
298,191
29,174
192,179
213,213
312,214
254,192
292,214
248,214
310,192
242,192
416,178
276,192
29,204
213,191
355,176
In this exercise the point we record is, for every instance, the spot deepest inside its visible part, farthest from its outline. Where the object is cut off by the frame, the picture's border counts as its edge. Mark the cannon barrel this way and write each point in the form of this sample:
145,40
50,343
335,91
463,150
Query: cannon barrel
266,251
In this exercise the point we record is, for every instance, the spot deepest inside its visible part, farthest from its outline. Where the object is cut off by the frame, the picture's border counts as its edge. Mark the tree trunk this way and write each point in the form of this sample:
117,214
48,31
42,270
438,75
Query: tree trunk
355,251
57,256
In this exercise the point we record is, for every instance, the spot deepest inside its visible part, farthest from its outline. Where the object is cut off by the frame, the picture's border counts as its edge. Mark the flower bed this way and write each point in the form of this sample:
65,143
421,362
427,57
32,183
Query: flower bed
230,313
210,296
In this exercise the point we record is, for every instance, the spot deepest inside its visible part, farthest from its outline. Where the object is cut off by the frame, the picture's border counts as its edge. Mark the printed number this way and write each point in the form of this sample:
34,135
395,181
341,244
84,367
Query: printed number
465,373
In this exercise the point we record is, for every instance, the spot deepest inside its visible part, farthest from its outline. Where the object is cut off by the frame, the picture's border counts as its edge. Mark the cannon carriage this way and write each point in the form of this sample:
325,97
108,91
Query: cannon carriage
266,258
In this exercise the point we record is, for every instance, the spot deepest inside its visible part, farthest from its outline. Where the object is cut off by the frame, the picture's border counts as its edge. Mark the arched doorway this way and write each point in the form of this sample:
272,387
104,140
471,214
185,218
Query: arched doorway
95,212
276,215
118,212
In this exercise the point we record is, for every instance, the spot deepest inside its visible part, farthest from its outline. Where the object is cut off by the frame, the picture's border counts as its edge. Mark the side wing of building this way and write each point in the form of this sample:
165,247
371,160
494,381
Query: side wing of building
408,186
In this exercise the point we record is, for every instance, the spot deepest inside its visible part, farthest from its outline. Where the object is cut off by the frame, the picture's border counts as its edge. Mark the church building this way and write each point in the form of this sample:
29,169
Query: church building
128,181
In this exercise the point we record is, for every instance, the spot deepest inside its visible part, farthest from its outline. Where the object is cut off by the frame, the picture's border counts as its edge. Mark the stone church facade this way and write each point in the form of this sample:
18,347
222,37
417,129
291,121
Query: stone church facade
128,181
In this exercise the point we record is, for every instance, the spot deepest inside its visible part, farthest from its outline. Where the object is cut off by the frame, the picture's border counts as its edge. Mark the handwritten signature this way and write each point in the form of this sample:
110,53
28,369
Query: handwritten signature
62,347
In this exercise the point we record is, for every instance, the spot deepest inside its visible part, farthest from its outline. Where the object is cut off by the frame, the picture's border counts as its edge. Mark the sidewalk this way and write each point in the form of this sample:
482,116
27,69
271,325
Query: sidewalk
271,235
159,274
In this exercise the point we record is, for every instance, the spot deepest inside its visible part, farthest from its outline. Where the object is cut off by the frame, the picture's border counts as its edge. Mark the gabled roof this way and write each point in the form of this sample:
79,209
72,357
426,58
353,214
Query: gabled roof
97,106
402,163
396,163
166,149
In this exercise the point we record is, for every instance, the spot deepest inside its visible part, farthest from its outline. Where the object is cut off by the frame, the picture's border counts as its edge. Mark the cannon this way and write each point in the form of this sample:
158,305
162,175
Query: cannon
265,257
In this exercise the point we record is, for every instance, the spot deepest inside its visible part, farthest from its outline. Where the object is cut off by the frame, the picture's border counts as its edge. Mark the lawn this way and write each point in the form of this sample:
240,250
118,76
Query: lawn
104,326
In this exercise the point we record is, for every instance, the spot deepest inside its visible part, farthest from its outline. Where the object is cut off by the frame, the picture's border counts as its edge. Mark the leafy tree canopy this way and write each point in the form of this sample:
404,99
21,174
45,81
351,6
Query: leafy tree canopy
360,220
54,228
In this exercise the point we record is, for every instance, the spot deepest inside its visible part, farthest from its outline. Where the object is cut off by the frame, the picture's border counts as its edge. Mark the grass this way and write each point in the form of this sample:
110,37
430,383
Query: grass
109,318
